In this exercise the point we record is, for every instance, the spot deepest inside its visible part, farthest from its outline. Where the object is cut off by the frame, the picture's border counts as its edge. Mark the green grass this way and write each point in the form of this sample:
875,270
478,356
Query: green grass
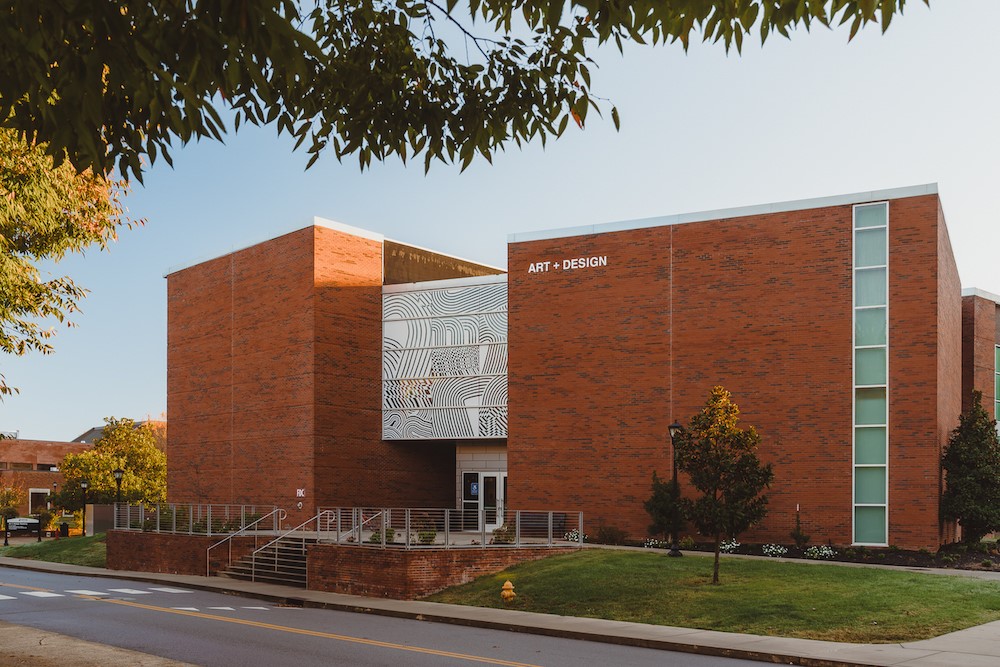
762,597
74,550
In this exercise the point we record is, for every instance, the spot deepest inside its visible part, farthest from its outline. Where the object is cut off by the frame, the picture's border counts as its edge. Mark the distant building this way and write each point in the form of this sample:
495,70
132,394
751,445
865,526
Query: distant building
34,466
333,367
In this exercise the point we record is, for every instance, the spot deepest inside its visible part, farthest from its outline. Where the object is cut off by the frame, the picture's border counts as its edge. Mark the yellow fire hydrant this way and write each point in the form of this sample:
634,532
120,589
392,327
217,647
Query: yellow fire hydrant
507,592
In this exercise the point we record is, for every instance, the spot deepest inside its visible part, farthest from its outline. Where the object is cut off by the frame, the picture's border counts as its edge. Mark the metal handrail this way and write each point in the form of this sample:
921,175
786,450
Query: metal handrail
253,554
277,513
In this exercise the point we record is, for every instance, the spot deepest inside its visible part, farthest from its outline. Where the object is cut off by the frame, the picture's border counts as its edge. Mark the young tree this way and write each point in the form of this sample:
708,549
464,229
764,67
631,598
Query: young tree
721,461
108,83
46,212
971,463
126,445
665,508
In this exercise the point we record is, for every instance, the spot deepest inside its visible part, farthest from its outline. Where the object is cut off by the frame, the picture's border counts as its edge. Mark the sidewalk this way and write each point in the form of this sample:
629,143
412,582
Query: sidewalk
974,647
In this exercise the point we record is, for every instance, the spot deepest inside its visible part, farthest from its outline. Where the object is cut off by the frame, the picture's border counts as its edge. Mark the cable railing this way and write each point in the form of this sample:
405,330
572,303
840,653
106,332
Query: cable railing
415,528
195,519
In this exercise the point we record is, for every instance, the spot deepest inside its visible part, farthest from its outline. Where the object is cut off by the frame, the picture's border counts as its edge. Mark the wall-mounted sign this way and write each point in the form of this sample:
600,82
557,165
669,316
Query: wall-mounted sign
300,493
474,489
568,264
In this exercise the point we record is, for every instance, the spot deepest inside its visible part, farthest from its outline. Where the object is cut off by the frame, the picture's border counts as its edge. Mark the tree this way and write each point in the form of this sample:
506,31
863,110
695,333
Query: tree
971,463
126,445
721,461
45,213
12,492
109,83
665,508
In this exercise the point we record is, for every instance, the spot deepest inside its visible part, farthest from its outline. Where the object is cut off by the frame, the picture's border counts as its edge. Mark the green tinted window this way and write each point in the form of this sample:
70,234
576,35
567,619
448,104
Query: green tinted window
872,215
869,486
870,407
869,525
869,287
869,366
870,248
870,326
869,444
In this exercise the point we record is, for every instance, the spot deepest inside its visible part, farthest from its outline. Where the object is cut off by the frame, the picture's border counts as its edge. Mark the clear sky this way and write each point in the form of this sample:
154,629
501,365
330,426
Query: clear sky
800,118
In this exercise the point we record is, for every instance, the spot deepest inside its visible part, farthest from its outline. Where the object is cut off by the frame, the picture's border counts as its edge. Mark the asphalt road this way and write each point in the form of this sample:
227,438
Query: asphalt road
216,630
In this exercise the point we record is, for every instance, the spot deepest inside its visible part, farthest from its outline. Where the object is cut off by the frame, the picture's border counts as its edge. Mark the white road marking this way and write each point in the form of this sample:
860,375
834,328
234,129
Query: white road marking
43,594
185,608
223,608
86,592
169,590
129,591
263,608
7,597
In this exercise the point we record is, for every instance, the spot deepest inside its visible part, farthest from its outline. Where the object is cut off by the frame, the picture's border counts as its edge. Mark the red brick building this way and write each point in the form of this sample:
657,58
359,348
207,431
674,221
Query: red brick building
330,366
32,465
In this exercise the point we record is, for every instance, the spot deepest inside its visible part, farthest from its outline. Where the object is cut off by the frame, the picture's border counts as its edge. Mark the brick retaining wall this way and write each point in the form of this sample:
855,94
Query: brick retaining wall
168,553
407,575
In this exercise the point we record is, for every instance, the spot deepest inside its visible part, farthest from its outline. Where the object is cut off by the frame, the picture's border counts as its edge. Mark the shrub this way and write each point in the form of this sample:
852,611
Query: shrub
574,536
687,543
427,536
729,546
503,535
376,537
611,535
797,535
653,543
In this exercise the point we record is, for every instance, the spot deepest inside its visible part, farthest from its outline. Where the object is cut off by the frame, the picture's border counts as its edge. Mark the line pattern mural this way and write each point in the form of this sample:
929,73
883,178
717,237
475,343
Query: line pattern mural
444,363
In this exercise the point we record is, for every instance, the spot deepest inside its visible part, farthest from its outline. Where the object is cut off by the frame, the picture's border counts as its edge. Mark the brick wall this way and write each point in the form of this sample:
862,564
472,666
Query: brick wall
950,348
240,383
172,554
980,335
603,359
408,574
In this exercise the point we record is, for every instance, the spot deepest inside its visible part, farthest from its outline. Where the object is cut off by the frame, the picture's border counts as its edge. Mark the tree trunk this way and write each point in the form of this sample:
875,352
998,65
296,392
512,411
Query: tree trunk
715,570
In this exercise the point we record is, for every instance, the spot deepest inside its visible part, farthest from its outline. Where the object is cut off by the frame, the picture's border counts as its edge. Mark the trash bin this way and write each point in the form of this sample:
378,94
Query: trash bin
64,529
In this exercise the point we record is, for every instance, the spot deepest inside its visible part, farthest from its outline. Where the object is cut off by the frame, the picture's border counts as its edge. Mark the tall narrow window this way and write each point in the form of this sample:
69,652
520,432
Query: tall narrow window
871,374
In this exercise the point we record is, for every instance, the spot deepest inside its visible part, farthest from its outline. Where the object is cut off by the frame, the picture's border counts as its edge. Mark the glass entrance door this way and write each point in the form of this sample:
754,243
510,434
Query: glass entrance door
485,493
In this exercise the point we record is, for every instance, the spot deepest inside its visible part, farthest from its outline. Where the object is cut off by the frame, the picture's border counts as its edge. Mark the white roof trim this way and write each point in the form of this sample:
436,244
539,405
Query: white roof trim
701,216
975,291
447,283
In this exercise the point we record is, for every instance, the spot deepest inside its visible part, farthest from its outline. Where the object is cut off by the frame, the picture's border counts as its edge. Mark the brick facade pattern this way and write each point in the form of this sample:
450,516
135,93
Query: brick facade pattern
171,554
408,574
603,359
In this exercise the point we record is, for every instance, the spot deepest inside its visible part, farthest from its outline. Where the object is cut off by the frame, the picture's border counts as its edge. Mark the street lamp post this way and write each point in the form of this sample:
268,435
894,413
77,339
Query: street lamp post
675,490
83,488
118,473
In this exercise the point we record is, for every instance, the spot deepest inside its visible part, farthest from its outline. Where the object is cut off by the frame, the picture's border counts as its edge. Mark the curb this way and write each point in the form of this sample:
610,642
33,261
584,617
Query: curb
507,626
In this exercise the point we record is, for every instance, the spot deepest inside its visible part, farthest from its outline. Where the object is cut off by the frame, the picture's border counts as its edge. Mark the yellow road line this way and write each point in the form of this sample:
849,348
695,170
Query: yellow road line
27,588
316,633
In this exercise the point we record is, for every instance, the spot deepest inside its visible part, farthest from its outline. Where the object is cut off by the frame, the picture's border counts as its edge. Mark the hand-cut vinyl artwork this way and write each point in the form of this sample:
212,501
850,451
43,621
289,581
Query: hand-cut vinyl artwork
444,363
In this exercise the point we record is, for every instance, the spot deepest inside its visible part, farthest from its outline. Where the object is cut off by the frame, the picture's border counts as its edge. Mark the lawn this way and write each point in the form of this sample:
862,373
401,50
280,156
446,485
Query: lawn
73,550
762,597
